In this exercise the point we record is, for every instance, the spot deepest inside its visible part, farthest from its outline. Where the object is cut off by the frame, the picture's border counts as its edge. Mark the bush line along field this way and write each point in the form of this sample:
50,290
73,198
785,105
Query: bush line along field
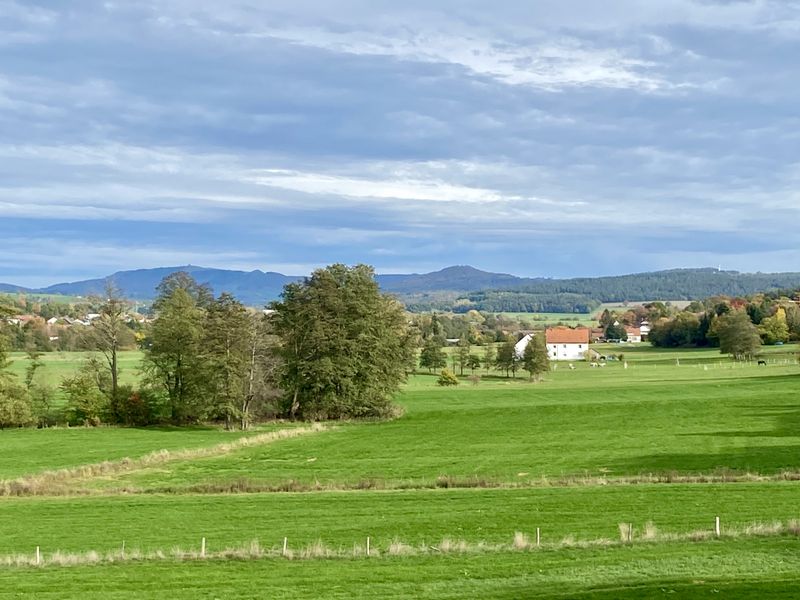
473,464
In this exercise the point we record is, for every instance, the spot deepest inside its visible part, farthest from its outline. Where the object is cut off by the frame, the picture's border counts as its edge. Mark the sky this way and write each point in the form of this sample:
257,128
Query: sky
551,138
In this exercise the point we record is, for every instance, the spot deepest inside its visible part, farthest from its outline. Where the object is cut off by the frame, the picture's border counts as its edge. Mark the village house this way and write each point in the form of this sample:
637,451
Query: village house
634,334
519,347
564,343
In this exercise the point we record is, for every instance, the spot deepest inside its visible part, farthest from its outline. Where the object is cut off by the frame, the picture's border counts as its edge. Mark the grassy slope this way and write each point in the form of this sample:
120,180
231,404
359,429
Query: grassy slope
606,422
744,569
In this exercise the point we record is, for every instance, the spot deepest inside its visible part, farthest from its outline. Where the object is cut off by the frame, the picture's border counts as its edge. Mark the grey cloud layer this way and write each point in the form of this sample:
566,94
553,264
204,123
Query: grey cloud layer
540,138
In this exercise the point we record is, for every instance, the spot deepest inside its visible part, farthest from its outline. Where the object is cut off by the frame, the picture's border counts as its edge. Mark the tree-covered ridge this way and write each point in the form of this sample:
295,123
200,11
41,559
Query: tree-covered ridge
585,294
462,288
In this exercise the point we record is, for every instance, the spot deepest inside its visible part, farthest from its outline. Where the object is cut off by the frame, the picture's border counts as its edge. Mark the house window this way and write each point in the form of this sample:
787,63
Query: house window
580,346
565,345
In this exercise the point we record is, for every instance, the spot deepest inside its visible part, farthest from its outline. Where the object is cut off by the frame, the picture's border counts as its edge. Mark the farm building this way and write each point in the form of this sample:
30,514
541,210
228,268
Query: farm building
564,343
634,334
519,347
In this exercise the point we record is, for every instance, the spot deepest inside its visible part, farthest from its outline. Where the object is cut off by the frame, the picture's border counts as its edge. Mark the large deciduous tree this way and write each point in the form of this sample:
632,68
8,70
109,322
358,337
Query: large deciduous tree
173,360
535,359
737,335
239,359
109,332
344,345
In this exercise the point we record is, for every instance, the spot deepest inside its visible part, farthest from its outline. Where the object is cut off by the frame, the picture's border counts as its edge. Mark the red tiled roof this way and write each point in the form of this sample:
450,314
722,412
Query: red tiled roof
633,331
565,335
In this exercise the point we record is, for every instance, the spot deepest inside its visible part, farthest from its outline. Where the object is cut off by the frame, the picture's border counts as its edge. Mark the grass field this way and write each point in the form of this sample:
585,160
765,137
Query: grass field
667,444
58,365
753,569
539,319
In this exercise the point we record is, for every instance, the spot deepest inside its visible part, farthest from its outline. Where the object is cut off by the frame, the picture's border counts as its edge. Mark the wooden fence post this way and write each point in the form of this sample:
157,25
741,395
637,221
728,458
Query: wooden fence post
367,545
716,526
38,556
538,538
285,542
203,547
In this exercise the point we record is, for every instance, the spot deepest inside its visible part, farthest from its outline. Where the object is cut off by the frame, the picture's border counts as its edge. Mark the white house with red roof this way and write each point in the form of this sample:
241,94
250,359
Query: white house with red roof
634,334
565,343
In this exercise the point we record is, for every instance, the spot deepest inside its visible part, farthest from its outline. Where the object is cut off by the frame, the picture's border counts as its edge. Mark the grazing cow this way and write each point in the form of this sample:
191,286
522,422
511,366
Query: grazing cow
572,367
762,363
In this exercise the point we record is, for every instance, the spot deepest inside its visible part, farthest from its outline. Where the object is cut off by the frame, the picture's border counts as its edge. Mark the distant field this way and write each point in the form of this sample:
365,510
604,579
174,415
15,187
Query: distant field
552,318
623,306
58,365
575,456
37,297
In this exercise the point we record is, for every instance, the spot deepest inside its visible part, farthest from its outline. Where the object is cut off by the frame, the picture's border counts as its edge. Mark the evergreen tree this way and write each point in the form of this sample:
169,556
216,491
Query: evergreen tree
432,356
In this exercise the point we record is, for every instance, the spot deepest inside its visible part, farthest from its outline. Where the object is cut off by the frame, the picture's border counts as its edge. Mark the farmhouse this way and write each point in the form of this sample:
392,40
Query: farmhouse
564,343
519,347
634,334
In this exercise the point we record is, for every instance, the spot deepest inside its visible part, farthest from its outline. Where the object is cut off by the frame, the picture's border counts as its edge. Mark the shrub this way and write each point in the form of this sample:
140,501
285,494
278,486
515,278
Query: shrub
447,378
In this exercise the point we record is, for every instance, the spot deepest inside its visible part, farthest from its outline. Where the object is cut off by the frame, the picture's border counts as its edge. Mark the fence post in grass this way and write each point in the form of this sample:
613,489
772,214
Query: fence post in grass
203,547
716,526
123,549
367,545
38,556
630,532
285,542
538,538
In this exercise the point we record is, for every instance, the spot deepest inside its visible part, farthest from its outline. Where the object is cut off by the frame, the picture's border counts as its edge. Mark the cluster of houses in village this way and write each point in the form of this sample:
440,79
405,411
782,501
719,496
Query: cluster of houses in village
566,343
55,325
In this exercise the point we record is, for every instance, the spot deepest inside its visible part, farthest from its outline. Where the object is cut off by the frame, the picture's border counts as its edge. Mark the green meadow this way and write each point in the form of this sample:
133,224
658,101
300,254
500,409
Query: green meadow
450,494
58,365
541,319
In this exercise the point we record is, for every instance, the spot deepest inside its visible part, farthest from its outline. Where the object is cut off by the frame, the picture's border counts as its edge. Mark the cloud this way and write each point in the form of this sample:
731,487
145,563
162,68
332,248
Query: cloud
538,138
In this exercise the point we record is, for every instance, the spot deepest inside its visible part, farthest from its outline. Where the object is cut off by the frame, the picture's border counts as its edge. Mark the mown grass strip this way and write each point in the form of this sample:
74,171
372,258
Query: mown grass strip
249,486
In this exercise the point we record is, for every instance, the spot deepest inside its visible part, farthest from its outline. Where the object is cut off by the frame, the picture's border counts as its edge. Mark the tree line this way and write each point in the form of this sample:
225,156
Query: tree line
504,358
333,347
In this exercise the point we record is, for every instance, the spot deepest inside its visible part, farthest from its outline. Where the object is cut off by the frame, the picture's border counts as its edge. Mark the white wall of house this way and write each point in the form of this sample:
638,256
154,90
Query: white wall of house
567,351
519,347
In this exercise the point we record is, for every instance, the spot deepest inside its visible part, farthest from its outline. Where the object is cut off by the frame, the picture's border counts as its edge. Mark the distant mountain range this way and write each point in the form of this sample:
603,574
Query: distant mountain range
461,287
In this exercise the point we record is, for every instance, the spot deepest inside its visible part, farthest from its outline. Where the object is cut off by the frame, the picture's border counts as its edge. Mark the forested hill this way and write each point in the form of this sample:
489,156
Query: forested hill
251,287
675,284
462,287
586,293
